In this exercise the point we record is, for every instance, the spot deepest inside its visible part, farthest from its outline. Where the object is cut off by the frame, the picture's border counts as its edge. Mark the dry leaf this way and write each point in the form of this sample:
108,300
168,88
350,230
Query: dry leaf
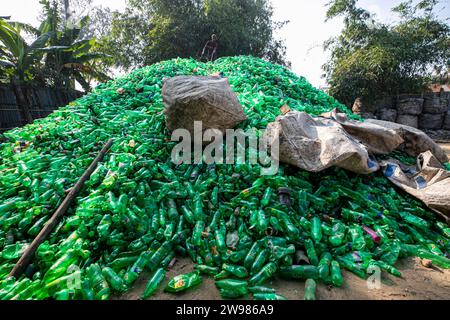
427,263
285,109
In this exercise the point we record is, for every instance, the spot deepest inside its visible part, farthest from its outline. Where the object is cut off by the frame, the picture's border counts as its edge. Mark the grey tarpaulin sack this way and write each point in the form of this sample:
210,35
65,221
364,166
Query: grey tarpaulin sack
197,98
428,181
416,141
315,144
377,139
382,137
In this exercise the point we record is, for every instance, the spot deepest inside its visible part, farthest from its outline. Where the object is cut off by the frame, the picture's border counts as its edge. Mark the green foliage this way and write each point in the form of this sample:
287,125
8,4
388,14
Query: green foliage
17,58
69,57
153,30
372,60
58,56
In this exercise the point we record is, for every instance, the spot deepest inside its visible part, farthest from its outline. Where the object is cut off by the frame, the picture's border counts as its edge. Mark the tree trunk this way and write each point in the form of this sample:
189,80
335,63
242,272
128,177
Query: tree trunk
66,11
22,101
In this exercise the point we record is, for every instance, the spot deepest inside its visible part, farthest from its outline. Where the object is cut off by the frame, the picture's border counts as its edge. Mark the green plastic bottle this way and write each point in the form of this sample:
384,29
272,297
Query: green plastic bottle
115,282
311,252
260,289
234,293
352,267
439,261
65,294
259,262
231,284
137,268
154,283
183,282
316,229
336,274
28,292
104,226
197,233
267,272
299,272
357,236
388,268
252,254
268,297
238,271
222,275
159,255
14,251
443,228
86,290
61,265
324,265
99,284
265,200
65,282
310,290
203,269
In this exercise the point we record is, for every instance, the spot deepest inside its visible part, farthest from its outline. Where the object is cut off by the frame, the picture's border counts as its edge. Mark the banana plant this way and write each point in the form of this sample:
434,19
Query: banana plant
17,57
70,55
19,60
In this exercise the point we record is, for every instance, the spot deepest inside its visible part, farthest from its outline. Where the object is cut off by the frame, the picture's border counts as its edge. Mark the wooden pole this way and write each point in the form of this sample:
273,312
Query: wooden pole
26,257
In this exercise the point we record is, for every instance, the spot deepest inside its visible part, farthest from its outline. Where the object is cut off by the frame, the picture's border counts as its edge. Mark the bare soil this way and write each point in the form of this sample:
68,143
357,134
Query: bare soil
417,283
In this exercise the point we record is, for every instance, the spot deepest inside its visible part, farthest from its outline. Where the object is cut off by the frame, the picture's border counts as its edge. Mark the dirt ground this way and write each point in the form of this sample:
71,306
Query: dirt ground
417,283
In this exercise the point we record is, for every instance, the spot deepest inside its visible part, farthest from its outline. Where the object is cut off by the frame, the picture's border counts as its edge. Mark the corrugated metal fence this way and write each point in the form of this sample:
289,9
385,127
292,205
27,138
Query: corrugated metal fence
43,102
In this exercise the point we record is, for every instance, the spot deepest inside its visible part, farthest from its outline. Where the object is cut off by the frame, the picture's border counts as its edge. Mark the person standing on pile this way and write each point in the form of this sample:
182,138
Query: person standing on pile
210,49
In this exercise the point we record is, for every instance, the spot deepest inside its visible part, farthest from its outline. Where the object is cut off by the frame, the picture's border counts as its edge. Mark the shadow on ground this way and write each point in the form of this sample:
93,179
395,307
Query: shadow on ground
418,283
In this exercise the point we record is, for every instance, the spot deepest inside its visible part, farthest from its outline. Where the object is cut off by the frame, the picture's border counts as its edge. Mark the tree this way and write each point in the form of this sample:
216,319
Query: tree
70,10
246,27
71,56
372,60
57,57
153,30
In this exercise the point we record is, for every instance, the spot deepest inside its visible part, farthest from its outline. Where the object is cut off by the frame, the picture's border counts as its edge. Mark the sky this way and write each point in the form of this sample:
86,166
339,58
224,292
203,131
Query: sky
304,35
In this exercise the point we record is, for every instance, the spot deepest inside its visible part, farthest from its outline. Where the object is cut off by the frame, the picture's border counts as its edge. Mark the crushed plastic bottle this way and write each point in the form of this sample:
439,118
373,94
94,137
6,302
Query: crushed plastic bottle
183,282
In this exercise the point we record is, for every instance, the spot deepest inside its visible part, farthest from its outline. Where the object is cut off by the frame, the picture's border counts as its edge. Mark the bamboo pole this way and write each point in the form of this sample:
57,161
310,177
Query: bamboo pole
26,257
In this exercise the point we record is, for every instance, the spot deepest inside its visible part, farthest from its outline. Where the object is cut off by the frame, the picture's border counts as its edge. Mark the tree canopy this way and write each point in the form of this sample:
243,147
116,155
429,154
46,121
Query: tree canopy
372,60
83,41
153,30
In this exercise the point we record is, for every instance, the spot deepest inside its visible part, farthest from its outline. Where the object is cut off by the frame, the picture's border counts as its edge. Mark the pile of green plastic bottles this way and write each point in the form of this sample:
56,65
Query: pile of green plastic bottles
139,211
